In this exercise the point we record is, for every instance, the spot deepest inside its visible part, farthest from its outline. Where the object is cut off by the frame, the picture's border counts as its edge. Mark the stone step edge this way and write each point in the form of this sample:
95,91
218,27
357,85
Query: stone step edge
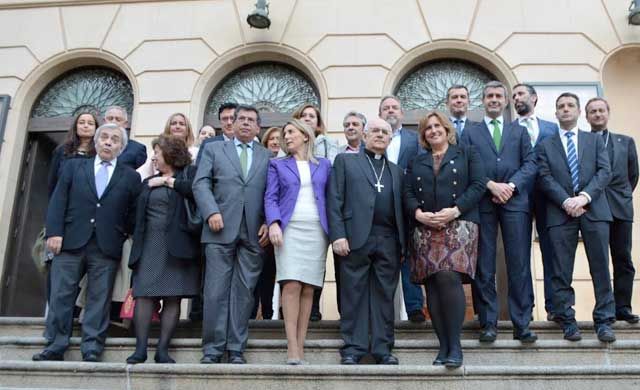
278,344
335,324
249,370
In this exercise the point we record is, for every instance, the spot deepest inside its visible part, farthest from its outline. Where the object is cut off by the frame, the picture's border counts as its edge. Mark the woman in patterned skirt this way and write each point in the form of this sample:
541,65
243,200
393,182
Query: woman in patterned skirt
165,254
442,189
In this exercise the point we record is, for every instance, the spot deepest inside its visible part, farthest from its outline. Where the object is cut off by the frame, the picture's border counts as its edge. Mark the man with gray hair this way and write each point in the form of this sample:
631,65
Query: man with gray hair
510,168
134,153
90,214
354,124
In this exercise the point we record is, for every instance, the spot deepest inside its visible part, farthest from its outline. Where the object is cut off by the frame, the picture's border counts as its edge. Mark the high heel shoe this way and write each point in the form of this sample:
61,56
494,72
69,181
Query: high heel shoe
294,362
163,358
136,358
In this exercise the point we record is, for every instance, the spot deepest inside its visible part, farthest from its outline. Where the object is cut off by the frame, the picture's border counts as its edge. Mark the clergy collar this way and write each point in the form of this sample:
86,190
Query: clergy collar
373,155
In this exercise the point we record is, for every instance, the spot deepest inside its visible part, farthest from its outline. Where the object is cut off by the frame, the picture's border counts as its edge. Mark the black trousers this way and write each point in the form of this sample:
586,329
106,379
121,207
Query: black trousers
369,277
263,295
564,239
623,270
67,269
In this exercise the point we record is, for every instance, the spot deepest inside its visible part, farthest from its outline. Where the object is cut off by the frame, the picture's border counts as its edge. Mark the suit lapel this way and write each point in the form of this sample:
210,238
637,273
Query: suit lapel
616,145
366,167
258,158
484,133
557,143
290,163
91,177
115,178
506,133
582,139
313,167
232,155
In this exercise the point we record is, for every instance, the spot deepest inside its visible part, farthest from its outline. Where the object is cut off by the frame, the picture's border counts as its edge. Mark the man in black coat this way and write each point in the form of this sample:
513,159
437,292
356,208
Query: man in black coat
226,113
366,228
623,159
134,153
90,214
574,172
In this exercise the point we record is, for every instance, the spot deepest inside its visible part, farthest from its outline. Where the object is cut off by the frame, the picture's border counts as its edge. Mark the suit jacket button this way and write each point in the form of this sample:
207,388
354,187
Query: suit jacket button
422,201
98,205
454,196
455,170
92,220
418,178
498,159
455,183
420,189
451,162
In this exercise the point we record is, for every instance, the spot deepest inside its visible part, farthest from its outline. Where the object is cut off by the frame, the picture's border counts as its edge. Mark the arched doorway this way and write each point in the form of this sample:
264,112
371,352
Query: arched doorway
86,88
425,87
274,88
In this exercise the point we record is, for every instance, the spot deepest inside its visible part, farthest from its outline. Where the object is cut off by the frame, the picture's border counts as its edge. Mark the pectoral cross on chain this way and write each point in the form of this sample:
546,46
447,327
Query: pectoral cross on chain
379,187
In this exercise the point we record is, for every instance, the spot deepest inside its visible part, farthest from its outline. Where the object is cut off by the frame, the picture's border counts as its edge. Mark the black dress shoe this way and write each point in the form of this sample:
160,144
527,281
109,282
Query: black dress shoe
453,362
47,356
416,316
605,334
163,358
572,333
439,361
315,316
349,360
627,316
136,359
236,357
489,334
388,360
90,357
210,359
525,335
553,318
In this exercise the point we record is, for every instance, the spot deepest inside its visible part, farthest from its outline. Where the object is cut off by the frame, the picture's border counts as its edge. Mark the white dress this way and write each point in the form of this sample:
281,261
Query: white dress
303,254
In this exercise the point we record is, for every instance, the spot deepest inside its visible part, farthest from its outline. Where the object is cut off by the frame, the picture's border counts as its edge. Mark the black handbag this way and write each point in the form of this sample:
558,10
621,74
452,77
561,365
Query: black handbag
194,219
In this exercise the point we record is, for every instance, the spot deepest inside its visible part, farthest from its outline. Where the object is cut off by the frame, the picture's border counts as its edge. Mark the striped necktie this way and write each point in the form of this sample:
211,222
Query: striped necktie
572,159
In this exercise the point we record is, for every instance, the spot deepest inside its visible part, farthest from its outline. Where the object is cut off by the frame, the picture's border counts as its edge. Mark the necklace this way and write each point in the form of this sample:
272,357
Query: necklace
378,184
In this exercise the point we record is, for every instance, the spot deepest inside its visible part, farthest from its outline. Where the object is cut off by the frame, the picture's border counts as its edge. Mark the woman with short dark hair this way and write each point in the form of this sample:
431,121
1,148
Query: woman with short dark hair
165,254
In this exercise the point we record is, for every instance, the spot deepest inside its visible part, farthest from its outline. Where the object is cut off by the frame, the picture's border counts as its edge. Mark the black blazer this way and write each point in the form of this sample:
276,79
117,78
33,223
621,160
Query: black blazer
351,199
554,176
134,155
75,211
624,176
515,162
57,163
180,243
458,183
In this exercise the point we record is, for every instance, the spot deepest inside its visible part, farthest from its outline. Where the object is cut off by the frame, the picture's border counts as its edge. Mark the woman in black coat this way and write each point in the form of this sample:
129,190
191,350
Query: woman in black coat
165,253
442,189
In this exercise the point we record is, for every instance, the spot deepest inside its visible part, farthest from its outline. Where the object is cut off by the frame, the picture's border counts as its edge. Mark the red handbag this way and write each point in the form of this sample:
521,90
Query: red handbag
129,305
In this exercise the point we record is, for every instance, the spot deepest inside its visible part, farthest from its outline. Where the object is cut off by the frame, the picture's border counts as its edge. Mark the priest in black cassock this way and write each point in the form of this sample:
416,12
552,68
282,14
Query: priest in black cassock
366,228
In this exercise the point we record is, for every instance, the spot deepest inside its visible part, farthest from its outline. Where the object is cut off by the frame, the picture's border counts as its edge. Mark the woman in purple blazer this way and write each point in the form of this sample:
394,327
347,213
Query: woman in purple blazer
294,204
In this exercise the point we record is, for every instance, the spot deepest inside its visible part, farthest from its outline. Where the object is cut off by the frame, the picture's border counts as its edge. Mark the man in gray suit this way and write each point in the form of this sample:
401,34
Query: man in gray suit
229,191
623,159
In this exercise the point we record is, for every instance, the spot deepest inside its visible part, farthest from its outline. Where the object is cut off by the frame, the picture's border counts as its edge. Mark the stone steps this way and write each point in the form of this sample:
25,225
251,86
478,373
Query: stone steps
326,352
118,376
34,326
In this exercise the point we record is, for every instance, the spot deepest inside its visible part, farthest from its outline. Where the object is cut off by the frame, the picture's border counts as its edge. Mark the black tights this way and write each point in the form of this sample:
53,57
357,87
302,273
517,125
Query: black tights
168,321
446,300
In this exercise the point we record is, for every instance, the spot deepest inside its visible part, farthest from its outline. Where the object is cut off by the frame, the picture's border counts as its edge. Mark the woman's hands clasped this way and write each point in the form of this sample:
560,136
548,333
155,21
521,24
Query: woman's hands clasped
439,219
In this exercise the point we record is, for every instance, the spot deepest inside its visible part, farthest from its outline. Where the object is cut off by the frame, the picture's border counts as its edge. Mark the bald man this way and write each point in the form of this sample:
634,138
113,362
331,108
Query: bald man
367,230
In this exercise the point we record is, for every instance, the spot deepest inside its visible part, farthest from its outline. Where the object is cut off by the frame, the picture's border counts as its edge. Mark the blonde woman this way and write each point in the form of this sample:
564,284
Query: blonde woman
295,208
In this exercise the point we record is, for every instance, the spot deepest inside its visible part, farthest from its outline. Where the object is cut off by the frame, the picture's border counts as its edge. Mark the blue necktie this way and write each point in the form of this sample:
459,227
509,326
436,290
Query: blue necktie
458,124
102,178
572,159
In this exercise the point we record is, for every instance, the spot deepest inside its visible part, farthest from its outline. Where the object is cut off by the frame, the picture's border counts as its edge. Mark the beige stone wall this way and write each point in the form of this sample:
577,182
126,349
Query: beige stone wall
175,52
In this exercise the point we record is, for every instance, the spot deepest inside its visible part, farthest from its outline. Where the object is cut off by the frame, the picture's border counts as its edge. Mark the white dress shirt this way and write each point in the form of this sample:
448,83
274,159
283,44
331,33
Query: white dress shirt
488,120
237,144
393,150
563,139
97,164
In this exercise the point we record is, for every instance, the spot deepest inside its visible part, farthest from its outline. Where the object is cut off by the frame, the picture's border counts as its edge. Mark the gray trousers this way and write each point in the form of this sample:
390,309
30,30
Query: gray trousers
368,281
231,275
67,269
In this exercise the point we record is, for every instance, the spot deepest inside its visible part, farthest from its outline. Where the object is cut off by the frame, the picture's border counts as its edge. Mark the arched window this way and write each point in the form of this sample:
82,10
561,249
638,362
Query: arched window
275,89
425,87
88,88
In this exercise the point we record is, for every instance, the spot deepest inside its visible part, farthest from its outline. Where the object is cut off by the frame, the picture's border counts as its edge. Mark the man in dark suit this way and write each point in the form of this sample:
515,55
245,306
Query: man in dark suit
623,159
135,153
510,166
226,113
402,149
89,216
525,99
366,227
574,172
229,190
458,104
